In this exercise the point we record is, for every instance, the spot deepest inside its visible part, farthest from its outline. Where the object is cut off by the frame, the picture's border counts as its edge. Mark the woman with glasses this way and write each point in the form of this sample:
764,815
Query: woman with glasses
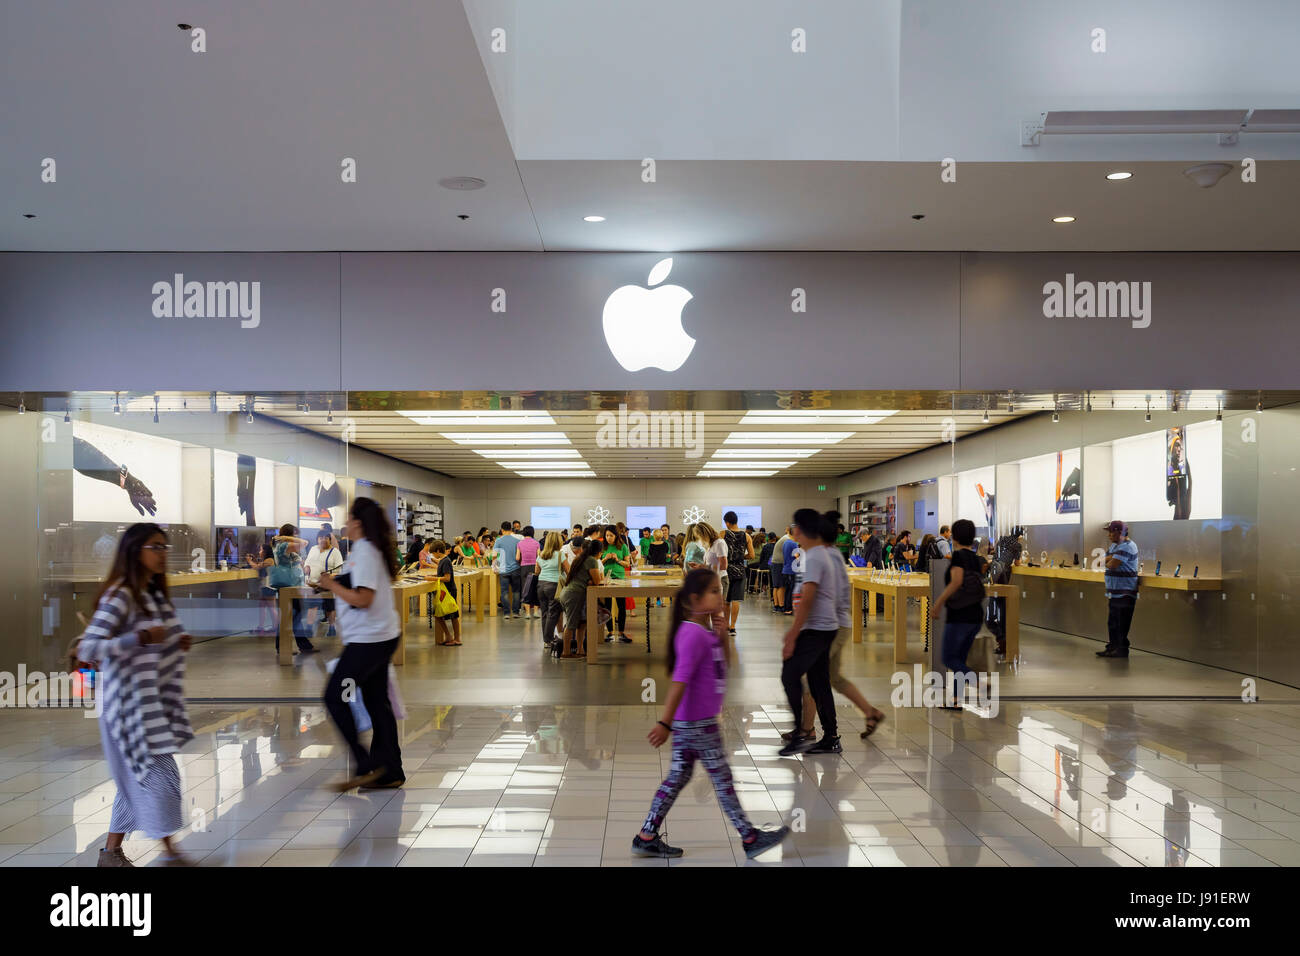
138,646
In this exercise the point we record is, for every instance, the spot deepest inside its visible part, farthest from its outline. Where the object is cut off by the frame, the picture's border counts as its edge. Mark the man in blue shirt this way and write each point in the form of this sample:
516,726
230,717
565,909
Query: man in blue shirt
788,547
510,577
1121,588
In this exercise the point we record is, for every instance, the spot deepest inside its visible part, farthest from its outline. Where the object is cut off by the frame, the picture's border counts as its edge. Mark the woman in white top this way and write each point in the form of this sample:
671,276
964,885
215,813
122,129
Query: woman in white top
715,550
370,630
323,557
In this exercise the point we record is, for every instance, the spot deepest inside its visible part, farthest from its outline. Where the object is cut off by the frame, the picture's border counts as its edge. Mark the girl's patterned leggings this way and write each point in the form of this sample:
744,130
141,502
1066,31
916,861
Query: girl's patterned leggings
697,740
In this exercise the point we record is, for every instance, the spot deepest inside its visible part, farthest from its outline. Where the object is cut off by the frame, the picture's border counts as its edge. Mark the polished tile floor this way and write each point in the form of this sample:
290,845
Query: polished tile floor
502,662
516,759
1042,784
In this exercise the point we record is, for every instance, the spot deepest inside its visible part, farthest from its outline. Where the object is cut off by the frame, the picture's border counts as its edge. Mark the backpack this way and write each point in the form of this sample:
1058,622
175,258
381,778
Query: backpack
736,554
1005,553
930,551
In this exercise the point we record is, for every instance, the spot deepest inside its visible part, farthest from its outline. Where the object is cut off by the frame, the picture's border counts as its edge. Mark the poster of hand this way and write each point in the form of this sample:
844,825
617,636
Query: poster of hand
121,475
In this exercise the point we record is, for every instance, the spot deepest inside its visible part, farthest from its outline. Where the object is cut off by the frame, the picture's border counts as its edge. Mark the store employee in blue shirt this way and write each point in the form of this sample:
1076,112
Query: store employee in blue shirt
1121,588
510,577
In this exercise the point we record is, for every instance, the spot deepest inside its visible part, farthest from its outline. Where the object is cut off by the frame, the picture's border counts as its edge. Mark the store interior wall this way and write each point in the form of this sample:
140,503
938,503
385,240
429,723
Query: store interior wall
488,502
20,599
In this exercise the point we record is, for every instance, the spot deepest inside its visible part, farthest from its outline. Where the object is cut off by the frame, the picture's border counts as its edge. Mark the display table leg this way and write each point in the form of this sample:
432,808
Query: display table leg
857,615
871,604
891,610
1013,625
593,619
287,640
900,635
399,655
494,593
480,596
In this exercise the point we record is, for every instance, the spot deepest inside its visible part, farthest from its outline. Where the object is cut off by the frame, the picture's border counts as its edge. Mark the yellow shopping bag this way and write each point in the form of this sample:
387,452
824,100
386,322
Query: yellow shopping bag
443,602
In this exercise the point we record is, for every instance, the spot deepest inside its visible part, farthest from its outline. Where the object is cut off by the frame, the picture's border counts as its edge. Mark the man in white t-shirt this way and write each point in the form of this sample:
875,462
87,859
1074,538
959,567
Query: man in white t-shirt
324,556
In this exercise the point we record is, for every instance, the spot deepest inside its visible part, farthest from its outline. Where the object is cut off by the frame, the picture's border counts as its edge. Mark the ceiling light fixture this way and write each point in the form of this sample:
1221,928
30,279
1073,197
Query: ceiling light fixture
507,453
734,463
765,452
459,418
556,474
1062,219
155,409
1218,415
593,218
774,438
67,414
735,474
462,183
817,417
507,438
568,463
117,403
329,413
22,408
1207,175
1119,175
1148,408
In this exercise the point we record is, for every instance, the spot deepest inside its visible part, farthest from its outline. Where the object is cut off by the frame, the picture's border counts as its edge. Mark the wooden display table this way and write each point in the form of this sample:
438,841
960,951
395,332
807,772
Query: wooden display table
402,591
1164,581
918,586
182,578
642,586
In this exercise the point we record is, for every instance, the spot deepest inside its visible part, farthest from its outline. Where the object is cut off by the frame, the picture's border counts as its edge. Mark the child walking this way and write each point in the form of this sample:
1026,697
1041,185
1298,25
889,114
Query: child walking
697,660
448,624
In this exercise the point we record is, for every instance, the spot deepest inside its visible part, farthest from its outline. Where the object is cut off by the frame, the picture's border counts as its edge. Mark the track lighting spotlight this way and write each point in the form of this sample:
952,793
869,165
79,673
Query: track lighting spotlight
117,403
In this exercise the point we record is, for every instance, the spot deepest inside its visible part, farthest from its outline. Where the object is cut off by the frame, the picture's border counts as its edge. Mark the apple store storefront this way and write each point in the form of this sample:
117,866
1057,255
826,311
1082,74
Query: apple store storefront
1041,396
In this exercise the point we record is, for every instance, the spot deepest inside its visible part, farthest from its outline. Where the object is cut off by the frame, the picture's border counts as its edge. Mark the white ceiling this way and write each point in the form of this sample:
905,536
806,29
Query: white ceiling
399,437
238,148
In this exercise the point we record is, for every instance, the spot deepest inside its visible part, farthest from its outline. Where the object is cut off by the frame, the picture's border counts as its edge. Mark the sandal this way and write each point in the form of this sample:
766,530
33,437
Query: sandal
872,723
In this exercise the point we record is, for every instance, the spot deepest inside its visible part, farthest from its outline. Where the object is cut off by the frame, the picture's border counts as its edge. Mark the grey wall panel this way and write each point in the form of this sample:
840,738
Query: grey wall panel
86,321
1269,551
420,320
1195,299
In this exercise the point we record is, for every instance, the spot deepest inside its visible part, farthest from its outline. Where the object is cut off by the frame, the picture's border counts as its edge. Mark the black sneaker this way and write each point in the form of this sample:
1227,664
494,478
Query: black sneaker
655,847
798,745
624,639
1104,652
765,840
827,745
1114,652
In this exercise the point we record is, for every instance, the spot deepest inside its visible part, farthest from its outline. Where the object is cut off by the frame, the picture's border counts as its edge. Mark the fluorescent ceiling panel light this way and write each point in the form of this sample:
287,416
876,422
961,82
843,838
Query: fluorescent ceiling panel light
782,438
765,452
1119,175
500,453
480,416
556,474
819,416
568,463
1062,219
731,463
507,438
593,218
735,474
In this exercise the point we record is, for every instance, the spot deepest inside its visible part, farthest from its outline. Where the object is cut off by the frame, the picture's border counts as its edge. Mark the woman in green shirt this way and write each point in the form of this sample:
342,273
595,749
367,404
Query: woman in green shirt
615,561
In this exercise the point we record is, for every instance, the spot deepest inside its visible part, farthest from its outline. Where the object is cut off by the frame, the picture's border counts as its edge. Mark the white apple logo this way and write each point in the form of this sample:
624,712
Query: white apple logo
644,326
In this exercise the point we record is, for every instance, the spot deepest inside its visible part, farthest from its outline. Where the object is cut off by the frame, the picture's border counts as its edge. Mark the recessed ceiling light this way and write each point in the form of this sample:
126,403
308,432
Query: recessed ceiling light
777,438
29,215
568,463
462,183
765,452
820,416
556,474
498,454
1062,219
735,474
184,26
508,438
1119,175
480,417
733,463
593,218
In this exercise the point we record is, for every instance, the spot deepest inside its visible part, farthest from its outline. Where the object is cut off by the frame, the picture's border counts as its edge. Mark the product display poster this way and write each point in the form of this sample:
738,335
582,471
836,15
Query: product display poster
1175,474
976,497
320,500
124,476
243,489
550,518
1051,489
646,516
747,515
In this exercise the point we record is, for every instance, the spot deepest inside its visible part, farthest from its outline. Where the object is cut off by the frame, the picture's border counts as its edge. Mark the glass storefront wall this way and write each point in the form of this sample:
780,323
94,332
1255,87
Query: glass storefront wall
1204,480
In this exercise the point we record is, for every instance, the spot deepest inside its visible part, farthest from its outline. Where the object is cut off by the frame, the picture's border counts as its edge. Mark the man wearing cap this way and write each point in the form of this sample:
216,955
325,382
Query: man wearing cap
1121,588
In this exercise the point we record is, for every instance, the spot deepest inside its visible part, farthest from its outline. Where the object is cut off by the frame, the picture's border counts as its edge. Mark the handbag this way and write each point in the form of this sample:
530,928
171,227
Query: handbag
982,657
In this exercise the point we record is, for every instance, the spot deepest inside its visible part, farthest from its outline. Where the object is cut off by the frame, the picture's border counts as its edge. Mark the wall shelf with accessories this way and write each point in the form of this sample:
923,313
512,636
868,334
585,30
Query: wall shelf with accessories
874,511
418,515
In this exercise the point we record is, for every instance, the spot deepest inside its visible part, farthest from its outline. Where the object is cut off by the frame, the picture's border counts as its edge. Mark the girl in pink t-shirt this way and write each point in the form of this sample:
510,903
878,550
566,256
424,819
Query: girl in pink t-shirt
697,660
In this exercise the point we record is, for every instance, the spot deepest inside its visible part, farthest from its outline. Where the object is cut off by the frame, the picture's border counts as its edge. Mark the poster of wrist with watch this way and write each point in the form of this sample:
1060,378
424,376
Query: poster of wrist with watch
124,476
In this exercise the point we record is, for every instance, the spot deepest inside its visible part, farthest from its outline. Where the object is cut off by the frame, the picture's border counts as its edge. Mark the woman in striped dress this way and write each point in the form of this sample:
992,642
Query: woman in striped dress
138,645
